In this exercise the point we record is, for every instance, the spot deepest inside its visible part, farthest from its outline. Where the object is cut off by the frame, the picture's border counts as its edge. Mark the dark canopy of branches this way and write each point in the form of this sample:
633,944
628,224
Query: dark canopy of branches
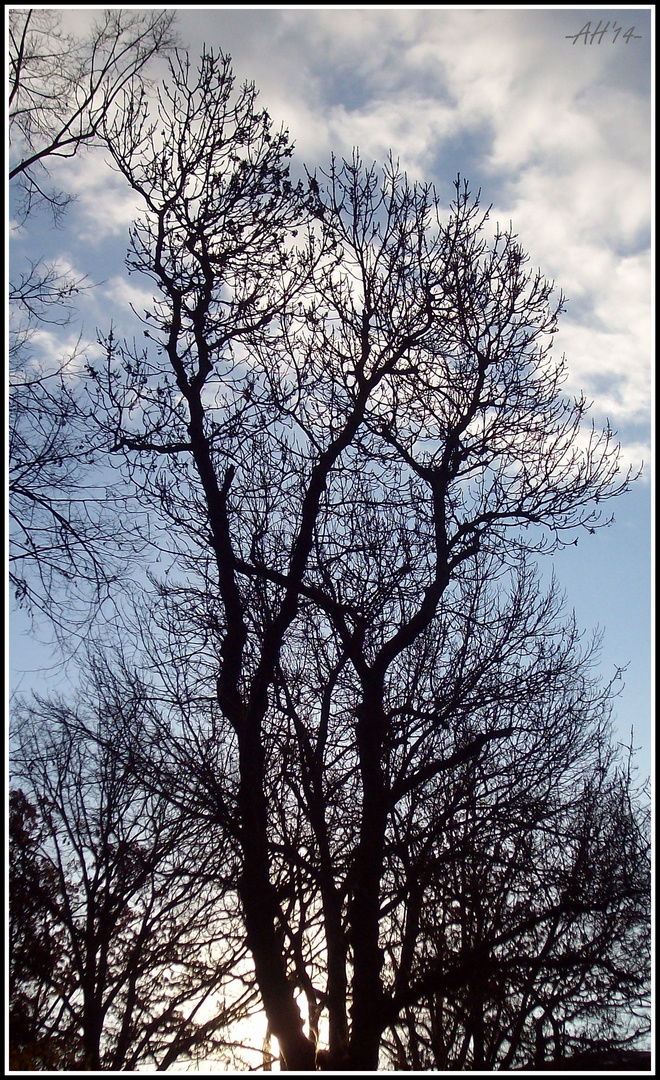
349,435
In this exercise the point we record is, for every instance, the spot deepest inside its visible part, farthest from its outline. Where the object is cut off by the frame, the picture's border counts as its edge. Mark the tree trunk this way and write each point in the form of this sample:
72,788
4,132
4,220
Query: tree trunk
261,913
367,1011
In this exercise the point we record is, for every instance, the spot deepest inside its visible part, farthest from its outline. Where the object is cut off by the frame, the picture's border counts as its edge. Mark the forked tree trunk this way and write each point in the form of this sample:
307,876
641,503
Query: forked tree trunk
261,911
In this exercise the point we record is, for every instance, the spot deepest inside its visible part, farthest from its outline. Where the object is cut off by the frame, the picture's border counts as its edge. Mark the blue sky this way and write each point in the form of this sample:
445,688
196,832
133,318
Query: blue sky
555,132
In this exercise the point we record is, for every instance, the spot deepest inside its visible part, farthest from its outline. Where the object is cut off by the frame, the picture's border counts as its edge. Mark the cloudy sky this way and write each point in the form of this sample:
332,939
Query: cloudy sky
547,111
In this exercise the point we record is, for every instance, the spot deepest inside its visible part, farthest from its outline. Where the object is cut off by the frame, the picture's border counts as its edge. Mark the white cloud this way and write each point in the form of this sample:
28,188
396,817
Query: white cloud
124,292
412,130
561,135
557,136
54,348
105,205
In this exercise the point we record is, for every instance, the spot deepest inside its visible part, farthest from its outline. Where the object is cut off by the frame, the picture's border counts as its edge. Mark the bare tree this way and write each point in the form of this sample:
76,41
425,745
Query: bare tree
66,553
504,803
144,941
523,895
40,1032
61,89
346,423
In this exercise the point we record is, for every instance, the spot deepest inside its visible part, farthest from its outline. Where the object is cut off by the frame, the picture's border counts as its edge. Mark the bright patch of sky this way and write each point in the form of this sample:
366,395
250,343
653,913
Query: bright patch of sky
555,132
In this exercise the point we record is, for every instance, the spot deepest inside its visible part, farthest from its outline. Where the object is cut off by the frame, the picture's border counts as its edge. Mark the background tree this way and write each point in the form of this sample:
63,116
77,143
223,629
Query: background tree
344,438
125,949
61,87
41,1034
533,889
66,552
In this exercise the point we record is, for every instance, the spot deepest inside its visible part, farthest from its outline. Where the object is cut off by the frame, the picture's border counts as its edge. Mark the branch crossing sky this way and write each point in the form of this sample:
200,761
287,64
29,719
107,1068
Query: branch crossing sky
548,111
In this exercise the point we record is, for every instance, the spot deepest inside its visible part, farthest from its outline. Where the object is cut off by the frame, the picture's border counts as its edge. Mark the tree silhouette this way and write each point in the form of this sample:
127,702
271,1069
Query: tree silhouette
122,943
538,884
345,434
61,88
40,1033
348,435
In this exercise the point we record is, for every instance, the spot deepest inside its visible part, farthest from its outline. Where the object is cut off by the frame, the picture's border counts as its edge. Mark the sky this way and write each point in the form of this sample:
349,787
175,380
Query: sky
548,112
